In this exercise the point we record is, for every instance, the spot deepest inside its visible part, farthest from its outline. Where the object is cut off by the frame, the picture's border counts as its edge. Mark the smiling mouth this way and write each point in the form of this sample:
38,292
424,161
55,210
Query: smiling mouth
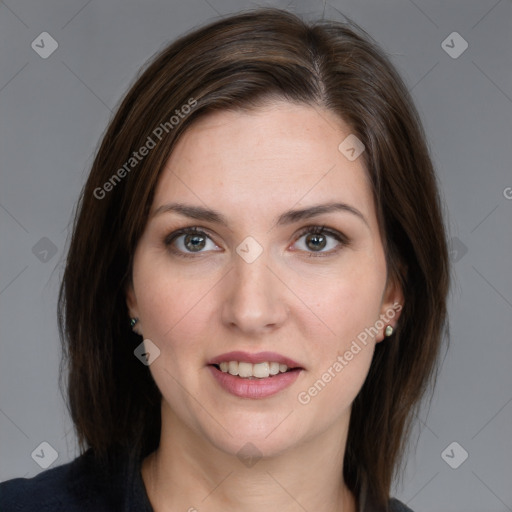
256,371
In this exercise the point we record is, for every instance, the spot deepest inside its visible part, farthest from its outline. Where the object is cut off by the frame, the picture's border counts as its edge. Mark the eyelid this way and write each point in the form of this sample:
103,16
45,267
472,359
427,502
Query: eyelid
189,230
318,229
341,238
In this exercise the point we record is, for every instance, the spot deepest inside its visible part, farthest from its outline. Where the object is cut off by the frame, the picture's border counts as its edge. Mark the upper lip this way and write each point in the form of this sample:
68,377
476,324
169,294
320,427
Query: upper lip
259,357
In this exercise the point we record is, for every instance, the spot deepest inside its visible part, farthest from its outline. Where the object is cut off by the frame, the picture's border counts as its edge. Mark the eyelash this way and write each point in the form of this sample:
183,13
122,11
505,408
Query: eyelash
315,229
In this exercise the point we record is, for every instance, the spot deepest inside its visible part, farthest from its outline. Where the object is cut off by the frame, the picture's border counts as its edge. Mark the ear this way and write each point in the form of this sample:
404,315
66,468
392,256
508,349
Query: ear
131,300
391,308
131,303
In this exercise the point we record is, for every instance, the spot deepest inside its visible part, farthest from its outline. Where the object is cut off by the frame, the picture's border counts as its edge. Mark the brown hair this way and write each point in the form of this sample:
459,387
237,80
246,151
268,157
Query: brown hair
237,63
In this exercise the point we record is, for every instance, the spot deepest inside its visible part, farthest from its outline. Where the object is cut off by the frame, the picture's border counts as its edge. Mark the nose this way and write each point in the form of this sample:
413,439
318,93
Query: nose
254,300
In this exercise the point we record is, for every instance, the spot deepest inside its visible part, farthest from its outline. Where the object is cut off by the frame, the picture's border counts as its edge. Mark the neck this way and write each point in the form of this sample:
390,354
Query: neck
187,472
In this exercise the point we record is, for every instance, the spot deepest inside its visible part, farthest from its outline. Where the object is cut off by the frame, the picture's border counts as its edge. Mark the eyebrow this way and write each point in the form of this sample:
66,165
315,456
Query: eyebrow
289,217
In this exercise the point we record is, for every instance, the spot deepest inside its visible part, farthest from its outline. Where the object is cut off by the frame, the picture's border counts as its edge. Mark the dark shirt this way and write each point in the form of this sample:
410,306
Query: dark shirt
82,486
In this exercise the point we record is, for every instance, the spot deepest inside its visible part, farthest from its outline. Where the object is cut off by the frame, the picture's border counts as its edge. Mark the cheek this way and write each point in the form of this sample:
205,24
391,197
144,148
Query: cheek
348,301
331,391
177,314
343,356
349,305
175,309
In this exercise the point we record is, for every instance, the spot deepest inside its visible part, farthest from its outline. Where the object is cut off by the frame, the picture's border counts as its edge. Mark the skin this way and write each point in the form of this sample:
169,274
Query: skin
251,167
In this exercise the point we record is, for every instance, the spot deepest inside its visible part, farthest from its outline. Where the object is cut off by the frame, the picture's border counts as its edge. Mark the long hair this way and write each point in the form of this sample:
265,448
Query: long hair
237,63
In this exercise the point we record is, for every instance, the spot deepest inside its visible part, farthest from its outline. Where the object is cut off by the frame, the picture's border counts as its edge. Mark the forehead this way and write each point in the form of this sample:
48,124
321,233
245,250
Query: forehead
276,156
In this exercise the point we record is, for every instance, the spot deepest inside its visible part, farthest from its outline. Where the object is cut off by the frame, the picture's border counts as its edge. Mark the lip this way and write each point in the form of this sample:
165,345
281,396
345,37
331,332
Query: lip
254,388
259,357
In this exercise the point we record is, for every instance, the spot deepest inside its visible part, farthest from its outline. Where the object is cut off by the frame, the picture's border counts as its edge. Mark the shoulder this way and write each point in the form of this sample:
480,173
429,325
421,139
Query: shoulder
368,503
398,506
78,486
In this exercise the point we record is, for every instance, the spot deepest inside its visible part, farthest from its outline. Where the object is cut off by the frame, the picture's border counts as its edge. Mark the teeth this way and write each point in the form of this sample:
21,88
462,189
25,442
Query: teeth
274,368
233,367
249,370
244,369
261,370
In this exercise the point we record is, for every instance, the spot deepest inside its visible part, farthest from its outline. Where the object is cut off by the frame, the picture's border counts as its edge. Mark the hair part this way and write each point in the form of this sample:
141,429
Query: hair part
238,63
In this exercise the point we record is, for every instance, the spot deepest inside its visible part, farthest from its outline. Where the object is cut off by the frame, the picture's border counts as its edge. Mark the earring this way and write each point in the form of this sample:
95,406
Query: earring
389,331
133,321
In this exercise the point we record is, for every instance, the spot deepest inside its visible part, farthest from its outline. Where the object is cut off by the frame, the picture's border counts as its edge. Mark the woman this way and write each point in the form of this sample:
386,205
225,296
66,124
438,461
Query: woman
255,292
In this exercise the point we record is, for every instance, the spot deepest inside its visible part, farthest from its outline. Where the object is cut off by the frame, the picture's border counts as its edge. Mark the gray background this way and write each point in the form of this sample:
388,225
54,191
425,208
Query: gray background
53,112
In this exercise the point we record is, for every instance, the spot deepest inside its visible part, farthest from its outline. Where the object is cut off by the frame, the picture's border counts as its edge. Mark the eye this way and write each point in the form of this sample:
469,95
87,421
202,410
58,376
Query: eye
187,241
318,239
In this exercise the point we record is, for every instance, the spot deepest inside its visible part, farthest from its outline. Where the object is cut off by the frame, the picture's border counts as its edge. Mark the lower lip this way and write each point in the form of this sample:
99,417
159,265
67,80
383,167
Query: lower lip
254,388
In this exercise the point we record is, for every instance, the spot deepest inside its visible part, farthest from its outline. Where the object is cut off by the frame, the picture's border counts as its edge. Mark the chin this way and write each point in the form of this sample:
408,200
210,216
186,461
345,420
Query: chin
247,445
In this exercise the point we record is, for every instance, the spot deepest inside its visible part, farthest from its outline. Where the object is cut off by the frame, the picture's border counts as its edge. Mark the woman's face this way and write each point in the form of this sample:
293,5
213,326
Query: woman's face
269,264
